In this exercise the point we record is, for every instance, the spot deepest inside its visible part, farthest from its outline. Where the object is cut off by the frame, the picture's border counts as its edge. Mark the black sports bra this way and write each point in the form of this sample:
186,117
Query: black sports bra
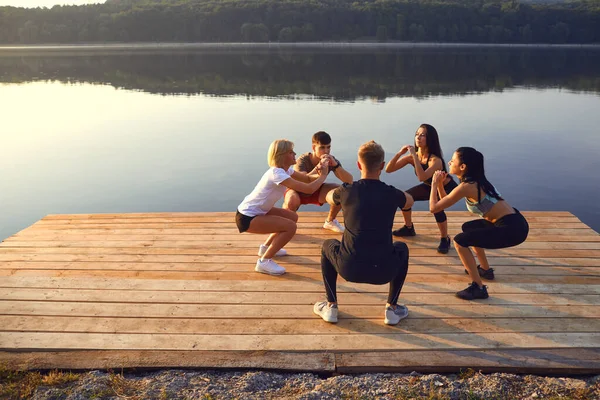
426,165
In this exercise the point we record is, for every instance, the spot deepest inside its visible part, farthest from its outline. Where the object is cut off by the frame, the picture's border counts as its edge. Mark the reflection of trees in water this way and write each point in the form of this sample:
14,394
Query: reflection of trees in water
333,75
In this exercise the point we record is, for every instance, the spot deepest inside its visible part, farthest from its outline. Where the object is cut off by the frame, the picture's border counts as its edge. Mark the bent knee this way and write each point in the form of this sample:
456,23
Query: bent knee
440,217
292,201
327,187
457,245
291,227
401,246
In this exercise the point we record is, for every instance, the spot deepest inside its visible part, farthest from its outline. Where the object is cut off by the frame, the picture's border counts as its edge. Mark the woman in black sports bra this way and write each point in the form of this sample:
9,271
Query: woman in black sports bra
501,225
426,157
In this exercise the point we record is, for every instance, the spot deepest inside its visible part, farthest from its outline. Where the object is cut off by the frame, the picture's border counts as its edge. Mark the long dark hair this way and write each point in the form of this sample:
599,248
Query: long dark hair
475,172
433,143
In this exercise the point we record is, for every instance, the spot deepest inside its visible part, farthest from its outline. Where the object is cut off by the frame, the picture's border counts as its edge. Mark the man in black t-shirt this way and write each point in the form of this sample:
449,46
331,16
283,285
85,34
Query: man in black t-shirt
367,253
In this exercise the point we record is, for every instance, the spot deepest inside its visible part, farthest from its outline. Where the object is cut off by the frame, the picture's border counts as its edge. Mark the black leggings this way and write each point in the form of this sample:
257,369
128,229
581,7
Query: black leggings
421,192
508,231
392,270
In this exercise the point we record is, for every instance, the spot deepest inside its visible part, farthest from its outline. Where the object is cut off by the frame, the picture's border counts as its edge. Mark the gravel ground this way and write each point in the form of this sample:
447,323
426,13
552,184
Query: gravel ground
189,384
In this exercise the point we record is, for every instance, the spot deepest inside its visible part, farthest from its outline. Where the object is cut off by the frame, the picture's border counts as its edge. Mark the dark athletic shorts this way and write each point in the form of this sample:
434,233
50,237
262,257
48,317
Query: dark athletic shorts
242,221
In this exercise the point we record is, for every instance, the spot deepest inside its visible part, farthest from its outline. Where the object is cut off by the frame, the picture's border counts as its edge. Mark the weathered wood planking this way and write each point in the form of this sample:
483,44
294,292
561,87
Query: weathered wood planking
178,290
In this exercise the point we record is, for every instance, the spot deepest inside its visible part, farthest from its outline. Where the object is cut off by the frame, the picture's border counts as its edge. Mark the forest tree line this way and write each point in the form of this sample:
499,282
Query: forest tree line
475,21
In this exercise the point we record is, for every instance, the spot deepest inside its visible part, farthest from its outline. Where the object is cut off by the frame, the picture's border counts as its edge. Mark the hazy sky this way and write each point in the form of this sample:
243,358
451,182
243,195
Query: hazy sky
45,3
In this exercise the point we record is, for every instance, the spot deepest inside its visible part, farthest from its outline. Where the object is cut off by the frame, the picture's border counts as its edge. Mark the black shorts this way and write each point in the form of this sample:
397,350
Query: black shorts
242,221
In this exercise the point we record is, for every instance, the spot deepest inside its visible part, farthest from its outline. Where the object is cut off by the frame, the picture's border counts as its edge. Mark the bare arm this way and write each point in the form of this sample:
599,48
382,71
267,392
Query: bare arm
303,187
308,176
343,175
397,162
436,204
305,177
338,170
303,167
440,187
423,175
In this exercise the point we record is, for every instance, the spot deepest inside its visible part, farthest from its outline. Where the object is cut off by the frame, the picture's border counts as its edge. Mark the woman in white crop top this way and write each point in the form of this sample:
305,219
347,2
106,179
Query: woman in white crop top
257,214
502,225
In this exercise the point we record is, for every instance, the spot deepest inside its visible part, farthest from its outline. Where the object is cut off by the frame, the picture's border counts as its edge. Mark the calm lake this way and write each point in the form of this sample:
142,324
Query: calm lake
188,130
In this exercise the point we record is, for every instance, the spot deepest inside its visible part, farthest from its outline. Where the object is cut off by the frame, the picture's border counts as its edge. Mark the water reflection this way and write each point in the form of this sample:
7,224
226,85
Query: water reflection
88,148
338,75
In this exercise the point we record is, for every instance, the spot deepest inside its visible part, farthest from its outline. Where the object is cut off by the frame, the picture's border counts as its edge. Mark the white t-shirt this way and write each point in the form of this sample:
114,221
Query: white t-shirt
266,193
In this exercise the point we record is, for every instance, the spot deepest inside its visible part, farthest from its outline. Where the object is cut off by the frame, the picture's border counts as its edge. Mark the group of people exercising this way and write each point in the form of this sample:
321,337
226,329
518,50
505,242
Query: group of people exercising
367,253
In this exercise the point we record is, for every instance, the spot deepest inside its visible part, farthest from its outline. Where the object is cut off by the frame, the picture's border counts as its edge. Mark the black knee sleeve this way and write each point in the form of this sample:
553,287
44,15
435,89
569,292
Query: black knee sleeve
440,217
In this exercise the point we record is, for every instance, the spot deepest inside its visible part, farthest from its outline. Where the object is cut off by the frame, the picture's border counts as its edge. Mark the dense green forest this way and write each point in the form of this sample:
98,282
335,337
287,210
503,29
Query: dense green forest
479,21
338,75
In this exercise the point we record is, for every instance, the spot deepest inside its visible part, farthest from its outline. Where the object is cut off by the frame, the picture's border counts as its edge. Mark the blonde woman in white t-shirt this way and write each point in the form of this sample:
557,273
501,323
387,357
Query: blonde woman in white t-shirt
257,214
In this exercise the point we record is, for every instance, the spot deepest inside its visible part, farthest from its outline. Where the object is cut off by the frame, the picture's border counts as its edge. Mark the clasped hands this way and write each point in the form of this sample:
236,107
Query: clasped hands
327,160
438,178
408,148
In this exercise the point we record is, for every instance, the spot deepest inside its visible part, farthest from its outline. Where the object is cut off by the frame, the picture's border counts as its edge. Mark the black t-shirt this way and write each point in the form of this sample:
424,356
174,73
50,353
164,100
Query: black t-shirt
369,207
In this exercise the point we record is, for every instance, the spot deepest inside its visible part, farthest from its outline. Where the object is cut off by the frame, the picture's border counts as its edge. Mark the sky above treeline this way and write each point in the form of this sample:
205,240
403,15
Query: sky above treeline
45,3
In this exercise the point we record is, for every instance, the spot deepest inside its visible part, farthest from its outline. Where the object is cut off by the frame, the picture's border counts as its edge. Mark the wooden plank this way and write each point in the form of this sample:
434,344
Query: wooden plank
314,233
415,269
298,298
279,285
299,256
322,362
316,220
231,213
289,276
449,260
307,216
245,311
400,341
230,224
289,326
299,240
526,361
74,244
250,249
199,248
546,361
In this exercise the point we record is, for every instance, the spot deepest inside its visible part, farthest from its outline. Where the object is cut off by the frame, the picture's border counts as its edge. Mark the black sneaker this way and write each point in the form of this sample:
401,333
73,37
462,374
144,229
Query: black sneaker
405,231
444,245
473,292
484,273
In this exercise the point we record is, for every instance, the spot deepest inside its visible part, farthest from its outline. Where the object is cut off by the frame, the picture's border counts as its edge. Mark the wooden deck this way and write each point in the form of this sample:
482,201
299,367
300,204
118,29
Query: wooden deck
178,290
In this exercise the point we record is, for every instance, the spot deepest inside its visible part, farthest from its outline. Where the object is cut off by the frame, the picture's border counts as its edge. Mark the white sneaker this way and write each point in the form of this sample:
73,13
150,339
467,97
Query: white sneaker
263,249
392,317
329,313
334,226
269,267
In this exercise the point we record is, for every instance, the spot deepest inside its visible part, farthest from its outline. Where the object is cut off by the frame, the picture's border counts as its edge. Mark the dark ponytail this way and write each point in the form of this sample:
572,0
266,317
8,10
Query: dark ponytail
475,172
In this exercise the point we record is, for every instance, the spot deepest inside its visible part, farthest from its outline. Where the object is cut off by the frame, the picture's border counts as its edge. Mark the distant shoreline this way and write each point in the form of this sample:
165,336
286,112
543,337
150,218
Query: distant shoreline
278,45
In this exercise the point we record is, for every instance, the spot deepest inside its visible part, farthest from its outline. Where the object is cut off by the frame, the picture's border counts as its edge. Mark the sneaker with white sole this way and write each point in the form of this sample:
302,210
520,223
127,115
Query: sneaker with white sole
393,316
334,226
328,312
268,266
263,249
